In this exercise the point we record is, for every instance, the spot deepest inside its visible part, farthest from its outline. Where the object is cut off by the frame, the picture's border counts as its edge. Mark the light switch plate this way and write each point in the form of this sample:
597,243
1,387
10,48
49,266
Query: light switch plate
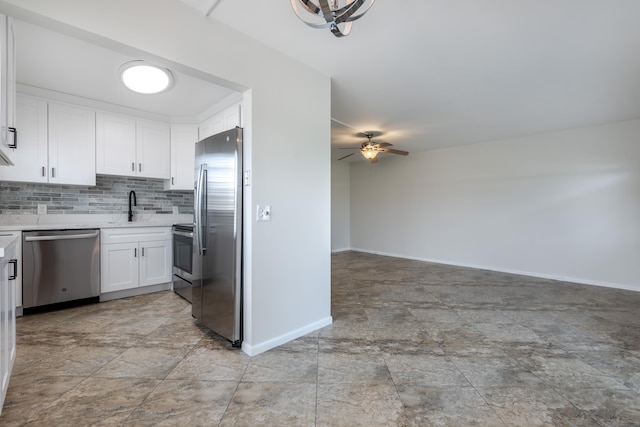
42,209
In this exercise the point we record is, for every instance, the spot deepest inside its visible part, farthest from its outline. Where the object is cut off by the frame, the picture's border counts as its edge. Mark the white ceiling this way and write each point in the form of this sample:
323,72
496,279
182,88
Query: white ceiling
49,60
427,73
434,73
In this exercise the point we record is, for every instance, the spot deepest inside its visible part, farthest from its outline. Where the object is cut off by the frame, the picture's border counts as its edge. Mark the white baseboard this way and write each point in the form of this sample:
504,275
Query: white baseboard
335,251
503,270
253,350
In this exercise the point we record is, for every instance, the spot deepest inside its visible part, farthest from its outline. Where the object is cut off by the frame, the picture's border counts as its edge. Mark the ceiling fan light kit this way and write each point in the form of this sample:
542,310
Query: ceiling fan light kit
371,149
369,152
337,15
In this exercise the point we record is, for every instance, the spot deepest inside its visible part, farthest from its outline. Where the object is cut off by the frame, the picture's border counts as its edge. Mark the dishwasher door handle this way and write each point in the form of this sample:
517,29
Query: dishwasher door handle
61,237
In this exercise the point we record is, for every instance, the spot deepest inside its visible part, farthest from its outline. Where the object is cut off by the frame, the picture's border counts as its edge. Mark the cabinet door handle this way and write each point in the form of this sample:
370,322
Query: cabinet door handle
13,131
135,252
173,181
133,167
44,173
14,262
142,251
53,172
139,167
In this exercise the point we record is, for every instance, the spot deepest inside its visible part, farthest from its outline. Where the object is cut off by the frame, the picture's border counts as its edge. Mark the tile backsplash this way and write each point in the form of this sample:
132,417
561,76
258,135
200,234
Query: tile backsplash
109,196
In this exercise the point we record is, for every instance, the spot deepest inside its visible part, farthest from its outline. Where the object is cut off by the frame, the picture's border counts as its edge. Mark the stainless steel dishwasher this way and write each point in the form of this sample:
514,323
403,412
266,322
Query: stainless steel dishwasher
60,267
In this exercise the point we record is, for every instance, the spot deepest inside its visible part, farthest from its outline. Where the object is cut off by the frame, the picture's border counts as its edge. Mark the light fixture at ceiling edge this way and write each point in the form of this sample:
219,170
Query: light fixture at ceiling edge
337,17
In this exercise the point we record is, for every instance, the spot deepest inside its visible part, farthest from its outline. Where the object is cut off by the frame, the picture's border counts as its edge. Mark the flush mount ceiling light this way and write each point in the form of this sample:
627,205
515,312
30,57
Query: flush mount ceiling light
337,15
145,78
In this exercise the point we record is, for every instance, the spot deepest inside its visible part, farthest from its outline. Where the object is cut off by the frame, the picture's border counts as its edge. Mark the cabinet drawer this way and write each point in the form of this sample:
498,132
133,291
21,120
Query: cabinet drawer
134,234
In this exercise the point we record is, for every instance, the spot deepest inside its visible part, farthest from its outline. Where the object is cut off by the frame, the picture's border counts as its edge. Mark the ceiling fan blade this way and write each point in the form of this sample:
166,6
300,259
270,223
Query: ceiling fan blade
374,160
348,148
348,155
392,151
383,144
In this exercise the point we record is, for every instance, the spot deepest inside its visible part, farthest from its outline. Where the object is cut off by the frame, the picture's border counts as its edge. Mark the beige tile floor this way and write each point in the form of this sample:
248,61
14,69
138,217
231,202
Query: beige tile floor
412,344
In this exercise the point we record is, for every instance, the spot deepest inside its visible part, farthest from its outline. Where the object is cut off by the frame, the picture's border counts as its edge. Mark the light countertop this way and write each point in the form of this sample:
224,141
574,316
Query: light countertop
70,221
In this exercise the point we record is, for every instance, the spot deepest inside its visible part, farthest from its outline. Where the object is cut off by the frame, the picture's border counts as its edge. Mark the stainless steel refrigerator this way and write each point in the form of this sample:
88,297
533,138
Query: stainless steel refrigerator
217,232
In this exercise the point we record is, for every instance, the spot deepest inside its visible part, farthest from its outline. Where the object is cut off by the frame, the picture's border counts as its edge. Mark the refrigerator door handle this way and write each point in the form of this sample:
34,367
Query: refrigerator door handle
201,213
204,212
196,212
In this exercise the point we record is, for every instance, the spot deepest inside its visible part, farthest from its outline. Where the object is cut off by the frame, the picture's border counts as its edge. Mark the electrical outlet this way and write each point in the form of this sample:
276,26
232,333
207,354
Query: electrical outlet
42,209
263,213
175,210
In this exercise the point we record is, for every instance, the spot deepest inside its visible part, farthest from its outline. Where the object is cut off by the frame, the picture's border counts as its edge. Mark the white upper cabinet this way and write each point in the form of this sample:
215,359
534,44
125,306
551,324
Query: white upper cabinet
11,81
72,145
115,145
129,147
153,149
55,144
7,88
30,156
211,126
226,119
183,143
231,116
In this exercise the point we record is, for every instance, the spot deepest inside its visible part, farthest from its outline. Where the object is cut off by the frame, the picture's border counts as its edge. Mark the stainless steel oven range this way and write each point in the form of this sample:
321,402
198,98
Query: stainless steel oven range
183,260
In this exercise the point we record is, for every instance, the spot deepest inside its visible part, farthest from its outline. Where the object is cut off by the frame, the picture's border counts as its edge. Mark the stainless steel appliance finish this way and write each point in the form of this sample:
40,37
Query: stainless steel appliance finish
217,282
183,260
60,266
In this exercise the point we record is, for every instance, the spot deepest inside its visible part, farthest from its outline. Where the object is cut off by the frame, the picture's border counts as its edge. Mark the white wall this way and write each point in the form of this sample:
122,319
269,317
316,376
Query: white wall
340,206
561,205
287,145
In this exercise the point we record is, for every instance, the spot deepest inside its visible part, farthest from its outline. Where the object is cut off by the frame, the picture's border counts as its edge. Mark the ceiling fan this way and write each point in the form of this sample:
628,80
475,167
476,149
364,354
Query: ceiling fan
370,149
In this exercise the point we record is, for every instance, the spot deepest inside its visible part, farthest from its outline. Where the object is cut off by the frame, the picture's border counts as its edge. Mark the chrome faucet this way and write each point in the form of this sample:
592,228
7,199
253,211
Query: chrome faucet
135,203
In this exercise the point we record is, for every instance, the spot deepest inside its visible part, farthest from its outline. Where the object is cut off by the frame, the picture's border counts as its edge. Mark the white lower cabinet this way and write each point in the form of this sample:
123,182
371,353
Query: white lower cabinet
134,257
8,273
155,262
18,256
